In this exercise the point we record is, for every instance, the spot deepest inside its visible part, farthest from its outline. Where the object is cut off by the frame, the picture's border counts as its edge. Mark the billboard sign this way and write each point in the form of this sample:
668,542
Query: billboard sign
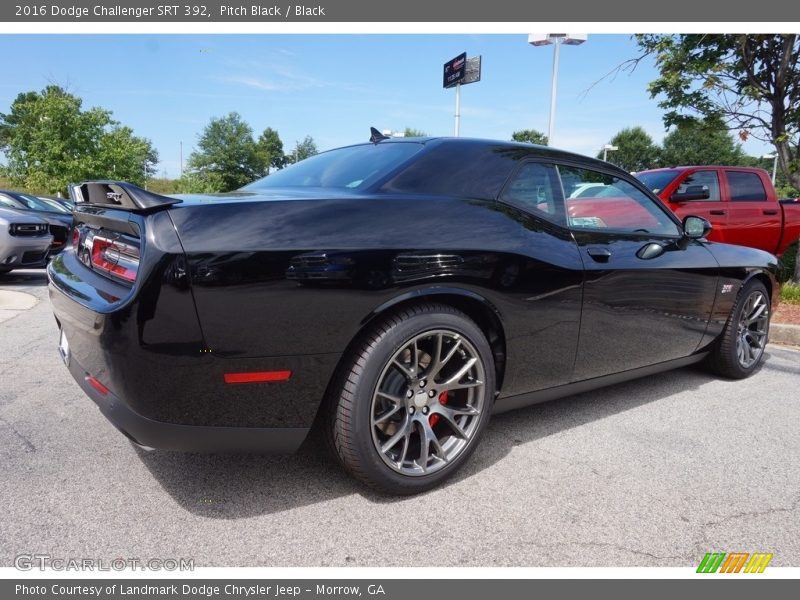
454,70
472,72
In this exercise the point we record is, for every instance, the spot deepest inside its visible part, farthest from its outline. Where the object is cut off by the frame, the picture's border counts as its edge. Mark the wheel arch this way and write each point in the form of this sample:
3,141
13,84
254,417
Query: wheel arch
475,306
478,308
769,282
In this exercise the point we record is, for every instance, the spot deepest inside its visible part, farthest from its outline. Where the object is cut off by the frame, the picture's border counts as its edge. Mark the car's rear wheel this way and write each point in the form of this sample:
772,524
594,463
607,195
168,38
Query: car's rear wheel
413,399
740,348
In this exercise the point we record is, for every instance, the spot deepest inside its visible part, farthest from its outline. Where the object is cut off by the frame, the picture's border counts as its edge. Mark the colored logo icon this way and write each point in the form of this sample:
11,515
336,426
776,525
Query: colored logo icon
734,562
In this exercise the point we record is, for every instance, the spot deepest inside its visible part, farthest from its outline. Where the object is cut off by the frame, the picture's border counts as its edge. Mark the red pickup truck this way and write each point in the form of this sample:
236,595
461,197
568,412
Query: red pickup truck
740,203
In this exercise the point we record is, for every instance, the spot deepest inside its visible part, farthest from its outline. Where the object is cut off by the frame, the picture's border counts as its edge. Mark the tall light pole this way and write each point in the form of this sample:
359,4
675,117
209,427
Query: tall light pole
608,148
556,39
774,164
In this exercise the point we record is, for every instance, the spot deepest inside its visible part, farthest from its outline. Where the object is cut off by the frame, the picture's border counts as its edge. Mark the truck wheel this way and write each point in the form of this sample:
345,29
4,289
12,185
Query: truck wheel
412,400
740,348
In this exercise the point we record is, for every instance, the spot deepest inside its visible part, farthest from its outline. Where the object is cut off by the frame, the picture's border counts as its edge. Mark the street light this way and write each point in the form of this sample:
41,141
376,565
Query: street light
774,164
608,148
556,39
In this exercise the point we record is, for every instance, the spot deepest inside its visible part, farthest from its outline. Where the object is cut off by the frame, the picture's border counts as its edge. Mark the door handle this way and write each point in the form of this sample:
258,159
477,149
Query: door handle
769,211
717,212
599,253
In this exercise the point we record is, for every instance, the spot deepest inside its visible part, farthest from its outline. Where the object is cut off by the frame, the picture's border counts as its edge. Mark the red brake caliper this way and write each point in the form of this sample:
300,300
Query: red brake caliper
434,419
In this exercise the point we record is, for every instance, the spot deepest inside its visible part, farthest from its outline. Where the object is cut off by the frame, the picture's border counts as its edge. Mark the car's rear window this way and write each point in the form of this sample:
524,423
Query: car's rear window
461,170
355,167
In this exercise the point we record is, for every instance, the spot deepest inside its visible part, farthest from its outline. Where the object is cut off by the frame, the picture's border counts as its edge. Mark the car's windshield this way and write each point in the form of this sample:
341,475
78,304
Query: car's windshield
55,206
34,203
351,168
10,202
656,181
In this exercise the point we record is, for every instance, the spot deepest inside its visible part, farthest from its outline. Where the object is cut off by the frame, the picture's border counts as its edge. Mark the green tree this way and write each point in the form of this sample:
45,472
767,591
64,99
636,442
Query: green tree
751,83
636,150
227,157
271,148
197,182
302,150
411,132
531,136
701,143
124,156
49,141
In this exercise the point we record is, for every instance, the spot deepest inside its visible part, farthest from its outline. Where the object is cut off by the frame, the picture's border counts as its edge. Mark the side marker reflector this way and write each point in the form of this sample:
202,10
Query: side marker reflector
257,376
96,385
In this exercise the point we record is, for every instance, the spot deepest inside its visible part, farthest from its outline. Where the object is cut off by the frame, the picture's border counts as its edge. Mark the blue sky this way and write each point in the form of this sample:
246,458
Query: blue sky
334,87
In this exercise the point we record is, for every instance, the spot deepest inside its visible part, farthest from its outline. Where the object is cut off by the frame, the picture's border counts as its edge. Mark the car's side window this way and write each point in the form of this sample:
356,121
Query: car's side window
708,178
535,188
745,187
600,201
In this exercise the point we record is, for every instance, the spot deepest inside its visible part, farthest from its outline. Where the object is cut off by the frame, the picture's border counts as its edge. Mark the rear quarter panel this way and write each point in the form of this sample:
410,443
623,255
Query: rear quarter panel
303,277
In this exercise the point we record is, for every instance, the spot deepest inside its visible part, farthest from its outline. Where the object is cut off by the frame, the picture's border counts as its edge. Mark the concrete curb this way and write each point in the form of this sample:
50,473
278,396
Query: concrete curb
12,303
784,334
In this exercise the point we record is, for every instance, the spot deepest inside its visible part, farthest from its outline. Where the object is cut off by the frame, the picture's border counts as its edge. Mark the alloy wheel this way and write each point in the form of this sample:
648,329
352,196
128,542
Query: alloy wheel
752,329
427,403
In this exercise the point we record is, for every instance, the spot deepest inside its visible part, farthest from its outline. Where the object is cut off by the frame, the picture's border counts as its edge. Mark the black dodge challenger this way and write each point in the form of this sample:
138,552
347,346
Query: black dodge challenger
399,292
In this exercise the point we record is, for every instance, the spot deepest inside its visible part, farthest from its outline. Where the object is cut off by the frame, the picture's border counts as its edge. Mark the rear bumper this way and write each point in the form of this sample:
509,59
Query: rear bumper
187,438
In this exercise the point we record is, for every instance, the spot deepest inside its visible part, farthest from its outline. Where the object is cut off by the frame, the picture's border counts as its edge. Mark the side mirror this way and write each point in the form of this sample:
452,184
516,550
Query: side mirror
692,192
695,228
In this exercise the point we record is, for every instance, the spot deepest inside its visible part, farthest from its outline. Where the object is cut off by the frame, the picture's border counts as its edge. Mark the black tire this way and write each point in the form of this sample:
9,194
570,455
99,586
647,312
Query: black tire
350,421
726,355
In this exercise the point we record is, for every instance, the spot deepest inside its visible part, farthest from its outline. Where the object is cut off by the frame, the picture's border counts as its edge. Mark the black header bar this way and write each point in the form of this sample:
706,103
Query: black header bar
455,11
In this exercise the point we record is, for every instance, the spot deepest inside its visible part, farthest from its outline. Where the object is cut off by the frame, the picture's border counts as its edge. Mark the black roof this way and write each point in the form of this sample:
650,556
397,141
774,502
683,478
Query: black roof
534,150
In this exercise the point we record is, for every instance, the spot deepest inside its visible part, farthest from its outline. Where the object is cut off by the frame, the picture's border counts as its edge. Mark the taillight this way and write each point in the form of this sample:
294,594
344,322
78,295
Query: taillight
115,258
76,238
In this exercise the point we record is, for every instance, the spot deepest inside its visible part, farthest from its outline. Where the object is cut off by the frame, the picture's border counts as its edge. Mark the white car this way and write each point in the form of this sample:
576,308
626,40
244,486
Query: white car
24,240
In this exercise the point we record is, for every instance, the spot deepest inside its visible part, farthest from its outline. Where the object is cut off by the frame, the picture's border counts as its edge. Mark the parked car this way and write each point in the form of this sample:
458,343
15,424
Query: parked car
64,203
24,240
59,218
587,190
740,203
401,290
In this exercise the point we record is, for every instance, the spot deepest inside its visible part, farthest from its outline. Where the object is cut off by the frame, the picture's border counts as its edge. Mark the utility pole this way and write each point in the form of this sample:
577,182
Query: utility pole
458,109
460,71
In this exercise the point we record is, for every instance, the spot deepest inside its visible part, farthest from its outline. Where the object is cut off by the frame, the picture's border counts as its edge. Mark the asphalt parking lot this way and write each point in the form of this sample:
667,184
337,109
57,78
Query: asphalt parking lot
655,472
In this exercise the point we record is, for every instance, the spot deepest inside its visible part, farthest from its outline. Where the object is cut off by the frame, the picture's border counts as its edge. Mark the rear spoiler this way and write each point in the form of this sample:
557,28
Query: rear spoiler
118,194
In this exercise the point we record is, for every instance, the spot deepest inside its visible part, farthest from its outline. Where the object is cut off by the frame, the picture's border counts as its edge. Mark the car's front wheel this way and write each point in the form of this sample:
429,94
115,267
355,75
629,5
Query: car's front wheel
740,348
413,399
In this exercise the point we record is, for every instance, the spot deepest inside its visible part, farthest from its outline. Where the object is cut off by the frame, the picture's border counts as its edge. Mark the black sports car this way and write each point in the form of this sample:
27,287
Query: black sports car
401,291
